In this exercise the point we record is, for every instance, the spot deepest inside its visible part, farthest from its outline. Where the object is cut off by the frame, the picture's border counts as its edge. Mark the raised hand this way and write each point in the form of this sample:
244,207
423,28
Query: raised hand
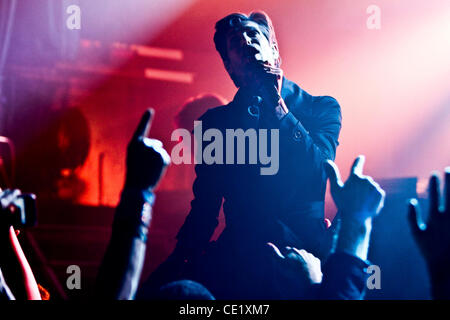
146,158
296,271
360,197
358,201
433,238
299,261
121,268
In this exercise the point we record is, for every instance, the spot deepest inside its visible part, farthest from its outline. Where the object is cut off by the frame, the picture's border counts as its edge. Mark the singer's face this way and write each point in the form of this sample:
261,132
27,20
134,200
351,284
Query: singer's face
247,48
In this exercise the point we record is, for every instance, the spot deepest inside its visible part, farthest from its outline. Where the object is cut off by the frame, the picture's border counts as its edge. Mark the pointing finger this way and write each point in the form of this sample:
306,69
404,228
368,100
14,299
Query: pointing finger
358,164
144,124
414,217
433,189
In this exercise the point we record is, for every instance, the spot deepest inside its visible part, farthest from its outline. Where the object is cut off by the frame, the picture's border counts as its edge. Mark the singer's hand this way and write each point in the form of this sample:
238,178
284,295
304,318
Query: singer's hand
269,82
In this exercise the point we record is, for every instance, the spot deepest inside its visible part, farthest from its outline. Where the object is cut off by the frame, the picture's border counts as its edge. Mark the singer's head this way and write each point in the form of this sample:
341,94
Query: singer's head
243,42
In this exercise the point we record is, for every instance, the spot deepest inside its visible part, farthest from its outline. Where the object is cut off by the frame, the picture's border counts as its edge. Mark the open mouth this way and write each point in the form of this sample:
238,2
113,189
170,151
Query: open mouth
252,54
250,51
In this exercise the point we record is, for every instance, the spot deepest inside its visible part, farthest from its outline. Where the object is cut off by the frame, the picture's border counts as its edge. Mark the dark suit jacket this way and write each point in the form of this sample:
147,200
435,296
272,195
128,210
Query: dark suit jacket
286,208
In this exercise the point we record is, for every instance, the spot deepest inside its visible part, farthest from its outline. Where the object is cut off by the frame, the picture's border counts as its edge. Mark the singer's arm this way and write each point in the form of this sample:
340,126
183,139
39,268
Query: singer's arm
310,125
202,220
320,141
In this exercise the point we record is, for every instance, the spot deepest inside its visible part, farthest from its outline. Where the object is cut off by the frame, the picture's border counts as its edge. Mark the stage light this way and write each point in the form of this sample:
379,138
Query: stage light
176,76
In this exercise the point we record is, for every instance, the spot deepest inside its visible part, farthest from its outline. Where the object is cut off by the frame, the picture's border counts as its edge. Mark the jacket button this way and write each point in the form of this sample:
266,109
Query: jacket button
297,135
253,111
